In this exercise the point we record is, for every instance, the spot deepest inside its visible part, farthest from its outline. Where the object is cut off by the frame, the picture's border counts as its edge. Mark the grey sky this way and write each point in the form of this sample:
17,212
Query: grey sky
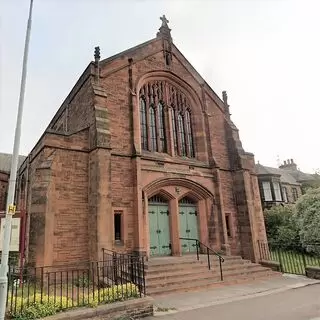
264,53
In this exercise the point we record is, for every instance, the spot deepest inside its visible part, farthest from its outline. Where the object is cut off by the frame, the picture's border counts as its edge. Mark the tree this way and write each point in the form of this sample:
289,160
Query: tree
307,214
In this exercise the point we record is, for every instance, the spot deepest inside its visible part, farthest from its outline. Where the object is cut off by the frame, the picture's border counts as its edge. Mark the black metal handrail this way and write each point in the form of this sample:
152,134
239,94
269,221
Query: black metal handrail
208,251
134,267
117,254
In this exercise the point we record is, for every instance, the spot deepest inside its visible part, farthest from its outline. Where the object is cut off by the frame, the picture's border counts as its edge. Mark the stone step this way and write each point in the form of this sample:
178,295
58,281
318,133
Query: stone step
209,284
214,277
155,275
190,265
194,268
155,262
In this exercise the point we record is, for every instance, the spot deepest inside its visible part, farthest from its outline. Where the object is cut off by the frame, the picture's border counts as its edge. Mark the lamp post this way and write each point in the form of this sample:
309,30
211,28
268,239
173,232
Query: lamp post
10,210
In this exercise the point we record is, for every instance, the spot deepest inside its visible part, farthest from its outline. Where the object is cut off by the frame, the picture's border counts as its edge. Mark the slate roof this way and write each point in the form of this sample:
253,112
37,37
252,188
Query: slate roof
285,175
5,161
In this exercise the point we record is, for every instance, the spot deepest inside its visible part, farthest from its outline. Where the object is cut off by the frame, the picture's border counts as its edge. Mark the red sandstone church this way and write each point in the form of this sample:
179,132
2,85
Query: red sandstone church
141,153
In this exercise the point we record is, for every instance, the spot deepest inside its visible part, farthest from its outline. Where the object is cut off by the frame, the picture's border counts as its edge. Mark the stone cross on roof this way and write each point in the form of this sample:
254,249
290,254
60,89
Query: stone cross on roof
165,21
164,30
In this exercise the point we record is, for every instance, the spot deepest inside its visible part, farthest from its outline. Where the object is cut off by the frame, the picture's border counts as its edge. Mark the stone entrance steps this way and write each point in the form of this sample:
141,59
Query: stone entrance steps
178,274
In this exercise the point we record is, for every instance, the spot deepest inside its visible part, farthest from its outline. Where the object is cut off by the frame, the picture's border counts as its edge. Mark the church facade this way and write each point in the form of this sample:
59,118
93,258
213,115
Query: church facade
141,154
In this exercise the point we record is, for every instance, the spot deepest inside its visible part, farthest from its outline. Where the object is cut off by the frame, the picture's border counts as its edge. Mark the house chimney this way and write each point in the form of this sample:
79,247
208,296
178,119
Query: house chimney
289,165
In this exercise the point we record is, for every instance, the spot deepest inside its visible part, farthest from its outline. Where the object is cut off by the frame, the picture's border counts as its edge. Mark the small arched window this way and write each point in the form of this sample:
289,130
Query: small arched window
143,125
162,132
153,129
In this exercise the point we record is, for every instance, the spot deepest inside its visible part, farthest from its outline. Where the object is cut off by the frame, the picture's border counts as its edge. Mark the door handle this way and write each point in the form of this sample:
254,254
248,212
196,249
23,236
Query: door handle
187,231
158,231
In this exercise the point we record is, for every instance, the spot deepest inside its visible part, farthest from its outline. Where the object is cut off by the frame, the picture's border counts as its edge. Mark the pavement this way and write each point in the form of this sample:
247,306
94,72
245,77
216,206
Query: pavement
182,303
301,303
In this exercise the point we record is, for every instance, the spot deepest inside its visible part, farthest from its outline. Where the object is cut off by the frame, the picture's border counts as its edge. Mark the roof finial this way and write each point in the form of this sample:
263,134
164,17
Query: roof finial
225,97
97,63
164,30
97,54
225,102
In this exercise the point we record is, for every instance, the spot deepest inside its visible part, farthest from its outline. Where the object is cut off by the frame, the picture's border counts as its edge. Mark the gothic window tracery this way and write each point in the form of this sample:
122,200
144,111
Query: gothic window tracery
156,98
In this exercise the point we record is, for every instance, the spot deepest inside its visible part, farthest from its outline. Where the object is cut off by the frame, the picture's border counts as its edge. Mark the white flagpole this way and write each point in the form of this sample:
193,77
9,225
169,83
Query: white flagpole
12,180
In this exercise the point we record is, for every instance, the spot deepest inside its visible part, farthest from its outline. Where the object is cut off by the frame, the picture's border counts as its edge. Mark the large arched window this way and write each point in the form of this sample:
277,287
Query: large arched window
143,124
153,128
155,97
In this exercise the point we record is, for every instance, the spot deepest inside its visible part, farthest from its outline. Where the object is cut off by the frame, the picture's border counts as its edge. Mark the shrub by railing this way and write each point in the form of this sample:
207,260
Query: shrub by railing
44,291
292,259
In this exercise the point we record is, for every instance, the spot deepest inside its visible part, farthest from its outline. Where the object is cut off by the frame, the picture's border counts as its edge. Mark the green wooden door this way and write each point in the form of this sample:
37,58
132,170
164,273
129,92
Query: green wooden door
159,230
188,227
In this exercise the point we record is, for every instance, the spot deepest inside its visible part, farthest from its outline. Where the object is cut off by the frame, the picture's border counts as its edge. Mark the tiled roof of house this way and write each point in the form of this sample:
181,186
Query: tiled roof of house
5,161
285,175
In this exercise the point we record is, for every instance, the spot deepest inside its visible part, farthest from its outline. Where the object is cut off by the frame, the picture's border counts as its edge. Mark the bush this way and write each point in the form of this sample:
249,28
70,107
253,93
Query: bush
50,305
82,282
281,226
307,214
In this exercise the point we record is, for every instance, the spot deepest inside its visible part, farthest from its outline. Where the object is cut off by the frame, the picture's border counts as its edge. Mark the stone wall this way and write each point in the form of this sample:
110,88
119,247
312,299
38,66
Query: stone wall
313,272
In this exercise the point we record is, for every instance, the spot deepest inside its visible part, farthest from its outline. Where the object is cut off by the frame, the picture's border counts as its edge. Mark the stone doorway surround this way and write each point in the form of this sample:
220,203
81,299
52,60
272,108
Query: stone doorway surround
173,190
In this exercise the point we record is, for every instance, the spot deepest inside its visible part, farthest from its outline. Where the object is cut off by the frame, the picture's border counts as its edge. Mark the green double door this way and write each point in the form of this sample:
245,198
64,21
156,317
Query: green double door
188,227
159,228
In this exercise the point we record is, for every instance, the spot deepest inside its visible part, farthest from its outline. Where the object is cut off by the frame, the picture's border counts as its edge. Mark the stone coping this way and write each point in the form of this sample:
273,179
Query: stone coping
85,313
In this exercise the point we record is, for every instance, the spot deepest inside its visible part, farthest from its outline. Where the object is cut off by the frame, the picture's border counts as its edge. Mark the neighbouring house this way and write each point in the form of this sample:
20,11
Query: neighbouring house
5,167
281,185
141,153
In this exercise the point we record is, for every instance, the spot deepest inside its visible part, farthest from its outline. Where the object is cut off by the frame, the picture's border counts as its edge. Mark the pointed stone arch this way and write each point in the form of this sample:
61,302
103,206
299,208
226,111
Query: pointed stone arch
174,80
195,190
162,193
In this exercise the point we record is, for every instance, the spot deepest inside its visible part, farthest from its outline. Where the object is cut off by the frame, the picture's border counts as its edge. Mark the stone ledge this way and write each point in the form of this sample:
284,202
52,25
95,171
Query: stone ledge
313,272
273,265
136,309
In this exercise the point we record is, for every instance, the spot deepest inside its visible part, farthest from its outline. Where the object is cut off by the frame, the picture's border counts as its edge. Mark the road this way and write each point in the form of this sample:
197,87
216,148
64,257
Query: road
295,304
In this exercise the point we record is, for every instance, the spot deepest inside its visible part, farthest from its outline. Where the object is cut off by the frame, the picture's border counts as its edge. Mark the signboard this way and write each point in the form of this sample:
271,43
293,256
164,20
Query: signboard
15,234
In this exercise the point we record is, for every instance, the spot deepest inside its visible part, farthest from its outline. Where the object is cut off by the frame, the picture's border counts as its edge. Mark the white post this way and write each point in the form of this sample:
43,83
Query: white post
12,180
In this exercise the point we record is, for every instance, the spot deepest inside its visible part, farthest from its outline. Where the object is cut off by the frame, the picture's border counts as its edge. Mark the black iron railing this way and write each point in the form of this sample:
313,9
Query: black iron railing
126,267
292,259
201,248
68,286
